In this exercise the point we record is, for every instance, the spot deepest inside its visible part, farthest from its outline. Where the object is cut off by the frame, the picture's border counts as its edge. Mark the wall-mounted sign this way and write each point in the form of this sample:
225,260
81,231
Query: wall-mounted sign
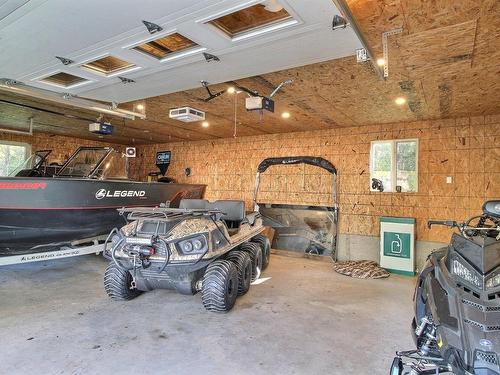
163,161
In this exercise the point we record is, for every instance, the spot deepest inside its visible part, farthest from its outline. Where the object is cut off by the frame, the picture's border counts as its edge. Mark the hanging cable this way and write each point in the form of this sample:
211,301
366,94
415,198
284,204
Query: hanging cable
235,111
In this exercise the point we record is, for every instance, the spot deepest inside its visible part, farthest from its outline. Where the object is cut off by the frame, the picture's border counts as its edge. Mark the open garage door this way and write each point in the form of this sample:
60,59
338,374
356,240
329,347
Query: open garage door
306,229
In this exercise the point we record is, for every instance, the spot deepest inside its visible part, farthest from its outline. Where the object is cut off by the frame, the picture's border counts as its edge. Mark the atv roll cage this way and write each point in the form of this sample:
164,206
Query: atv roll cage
309,160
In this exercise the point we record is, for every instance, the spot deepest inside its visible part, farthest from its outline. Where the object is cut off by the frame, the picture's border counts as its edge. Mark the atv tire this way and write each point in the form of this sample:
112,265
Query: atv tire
265,246
244,265
220,286
255,253
117,282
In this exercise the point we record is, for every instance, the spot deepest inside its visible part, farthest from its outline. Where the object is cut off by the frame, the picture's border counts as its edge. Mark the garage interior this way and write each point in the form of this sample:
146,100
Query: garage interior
347,80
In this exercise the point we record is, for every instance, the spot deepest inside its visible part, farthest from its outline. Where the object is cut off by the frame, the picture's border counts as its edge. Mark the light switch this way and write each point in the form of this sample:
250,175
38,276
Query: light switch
449,179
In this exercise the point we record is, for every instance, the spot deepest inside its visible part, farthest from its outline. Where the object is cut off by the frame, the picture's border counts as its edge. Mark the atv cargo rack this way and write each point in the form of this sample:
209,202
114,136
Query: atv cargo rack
164,213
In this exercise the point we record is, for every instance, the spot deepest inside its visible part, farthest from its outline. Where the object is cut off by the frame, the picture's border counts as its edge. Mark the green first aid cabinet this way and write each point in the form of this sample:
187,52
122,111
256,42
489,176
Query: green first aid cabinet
397,244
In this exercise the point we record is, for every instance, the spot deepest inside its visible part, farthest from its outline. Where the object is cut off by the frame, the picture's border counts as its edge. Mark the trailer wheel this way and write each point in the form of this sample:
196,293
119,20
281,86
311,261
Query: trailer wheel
244,265
265,246
117,282
255,253
220,286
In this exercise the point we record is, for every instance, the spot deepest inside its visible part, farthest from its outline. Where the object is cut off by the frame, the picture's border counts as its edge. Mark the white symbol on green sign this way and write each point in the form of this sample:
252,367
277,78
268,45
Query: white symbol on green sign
397,244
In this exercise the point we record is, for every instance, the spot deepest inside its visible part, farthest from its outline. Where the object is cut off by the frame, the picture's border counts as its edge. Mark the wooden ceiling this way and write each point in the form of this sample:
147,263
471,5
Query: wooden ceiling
445,63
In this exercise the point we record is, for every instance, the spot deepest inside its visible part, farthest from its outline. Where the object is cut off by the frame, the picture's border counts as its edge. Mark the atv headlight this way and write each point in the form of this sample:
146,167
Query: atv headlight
493,281
194,245
461,270
187,246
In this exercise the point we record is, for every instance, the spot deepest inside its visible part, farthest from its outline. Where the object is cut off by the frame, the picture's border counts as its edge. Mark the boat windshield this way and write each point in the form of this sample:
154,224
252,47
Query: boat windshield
114,166
96,162
35,161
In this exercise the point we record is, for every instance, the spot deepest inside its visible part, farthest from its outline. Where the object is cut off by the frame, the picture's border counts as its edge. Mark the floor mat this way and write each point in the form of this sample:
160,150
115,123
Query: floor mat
361,269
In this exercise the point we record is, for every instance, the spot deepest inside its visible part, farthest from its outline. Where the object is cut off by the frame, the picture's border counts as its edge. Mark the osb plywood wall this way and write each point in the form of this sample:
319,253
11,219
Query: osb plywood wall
467,149
62,147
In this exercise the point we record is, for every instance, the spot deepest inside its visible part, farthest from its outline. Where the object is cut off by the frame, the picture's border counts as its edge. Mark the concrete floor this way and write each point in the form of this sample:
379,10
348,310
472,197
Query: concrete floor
55,318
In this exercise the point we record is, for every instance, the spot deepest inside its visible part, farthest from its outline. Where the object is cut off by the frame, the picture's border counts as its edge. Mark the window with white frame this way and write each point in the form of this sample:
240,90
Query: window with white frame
395,163
12,154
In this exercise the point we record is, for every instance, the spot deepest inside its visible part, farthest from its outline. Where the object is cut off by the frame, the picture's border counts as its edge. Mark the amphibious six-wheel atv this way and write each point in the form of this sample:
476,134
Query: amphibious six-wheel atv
212,248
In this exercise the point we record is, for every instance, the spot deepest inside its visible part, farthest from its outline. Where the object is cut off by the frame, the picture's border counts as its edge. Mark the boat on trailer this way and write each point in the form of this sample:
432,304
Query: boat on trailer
80,202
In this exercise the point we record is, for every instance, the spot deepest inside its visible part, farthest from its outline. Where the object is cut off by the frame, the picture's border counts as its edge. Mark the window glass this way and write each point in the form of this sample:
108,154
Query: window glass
382,163
395,163
406,166
12,155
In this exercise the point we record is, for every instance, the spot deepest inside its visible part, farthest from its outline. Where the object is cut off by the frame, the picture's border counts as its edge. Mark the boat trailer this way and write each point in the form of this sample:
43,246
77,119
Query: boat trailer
93,245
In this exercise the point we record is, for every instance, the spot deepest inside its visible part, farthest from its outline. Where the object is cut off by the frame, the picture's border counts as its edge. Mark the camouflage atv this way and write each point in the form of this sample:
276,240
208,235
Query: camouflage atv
208,247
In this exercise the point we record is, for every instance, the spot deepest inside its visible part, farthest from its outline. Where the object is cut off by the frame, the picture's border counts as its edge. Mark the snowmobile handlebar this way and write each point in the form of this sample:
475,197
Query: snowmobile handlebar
468,230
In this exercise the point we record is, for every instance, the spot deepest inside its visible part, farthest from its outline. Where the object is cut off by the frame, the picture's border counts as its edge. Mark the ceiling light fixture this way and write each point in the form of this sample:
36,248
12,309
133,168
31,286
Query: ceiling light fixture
152,27
186,53
272,6
264,30
400,100
339,22
231,90
139,107
380,62
285,115
65,60
126,80
209,57
205,124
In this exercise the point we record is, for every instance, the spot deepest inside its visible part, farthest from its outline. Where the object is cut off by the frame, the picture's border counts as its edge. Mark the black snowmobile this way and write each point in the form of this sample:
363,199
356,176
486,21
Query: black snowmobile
456,327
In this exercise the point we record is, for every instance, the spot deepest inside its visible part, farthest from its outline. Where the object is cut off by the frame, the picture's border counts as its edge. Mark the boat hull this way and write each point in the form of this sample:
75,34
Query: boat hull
37,214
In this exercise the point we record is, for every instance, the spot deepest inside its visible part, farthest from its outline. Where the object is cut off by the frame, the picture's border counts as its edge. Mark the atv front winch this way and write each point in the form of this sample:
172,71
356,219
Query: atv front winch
208,247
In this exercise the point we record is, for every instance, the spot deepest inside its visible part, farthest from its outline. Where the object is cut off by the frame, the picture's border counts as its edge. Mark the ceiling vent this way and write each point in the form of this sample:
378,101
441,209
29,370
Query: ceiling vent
187,114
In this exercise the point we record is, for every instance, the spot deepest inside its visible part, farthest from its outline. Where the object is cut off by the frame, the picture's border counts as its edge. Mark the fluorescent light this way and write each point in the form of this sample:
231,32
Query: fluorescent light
227,11
119,112
263,30
380,62
205,124
285,115
120,72
183,54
